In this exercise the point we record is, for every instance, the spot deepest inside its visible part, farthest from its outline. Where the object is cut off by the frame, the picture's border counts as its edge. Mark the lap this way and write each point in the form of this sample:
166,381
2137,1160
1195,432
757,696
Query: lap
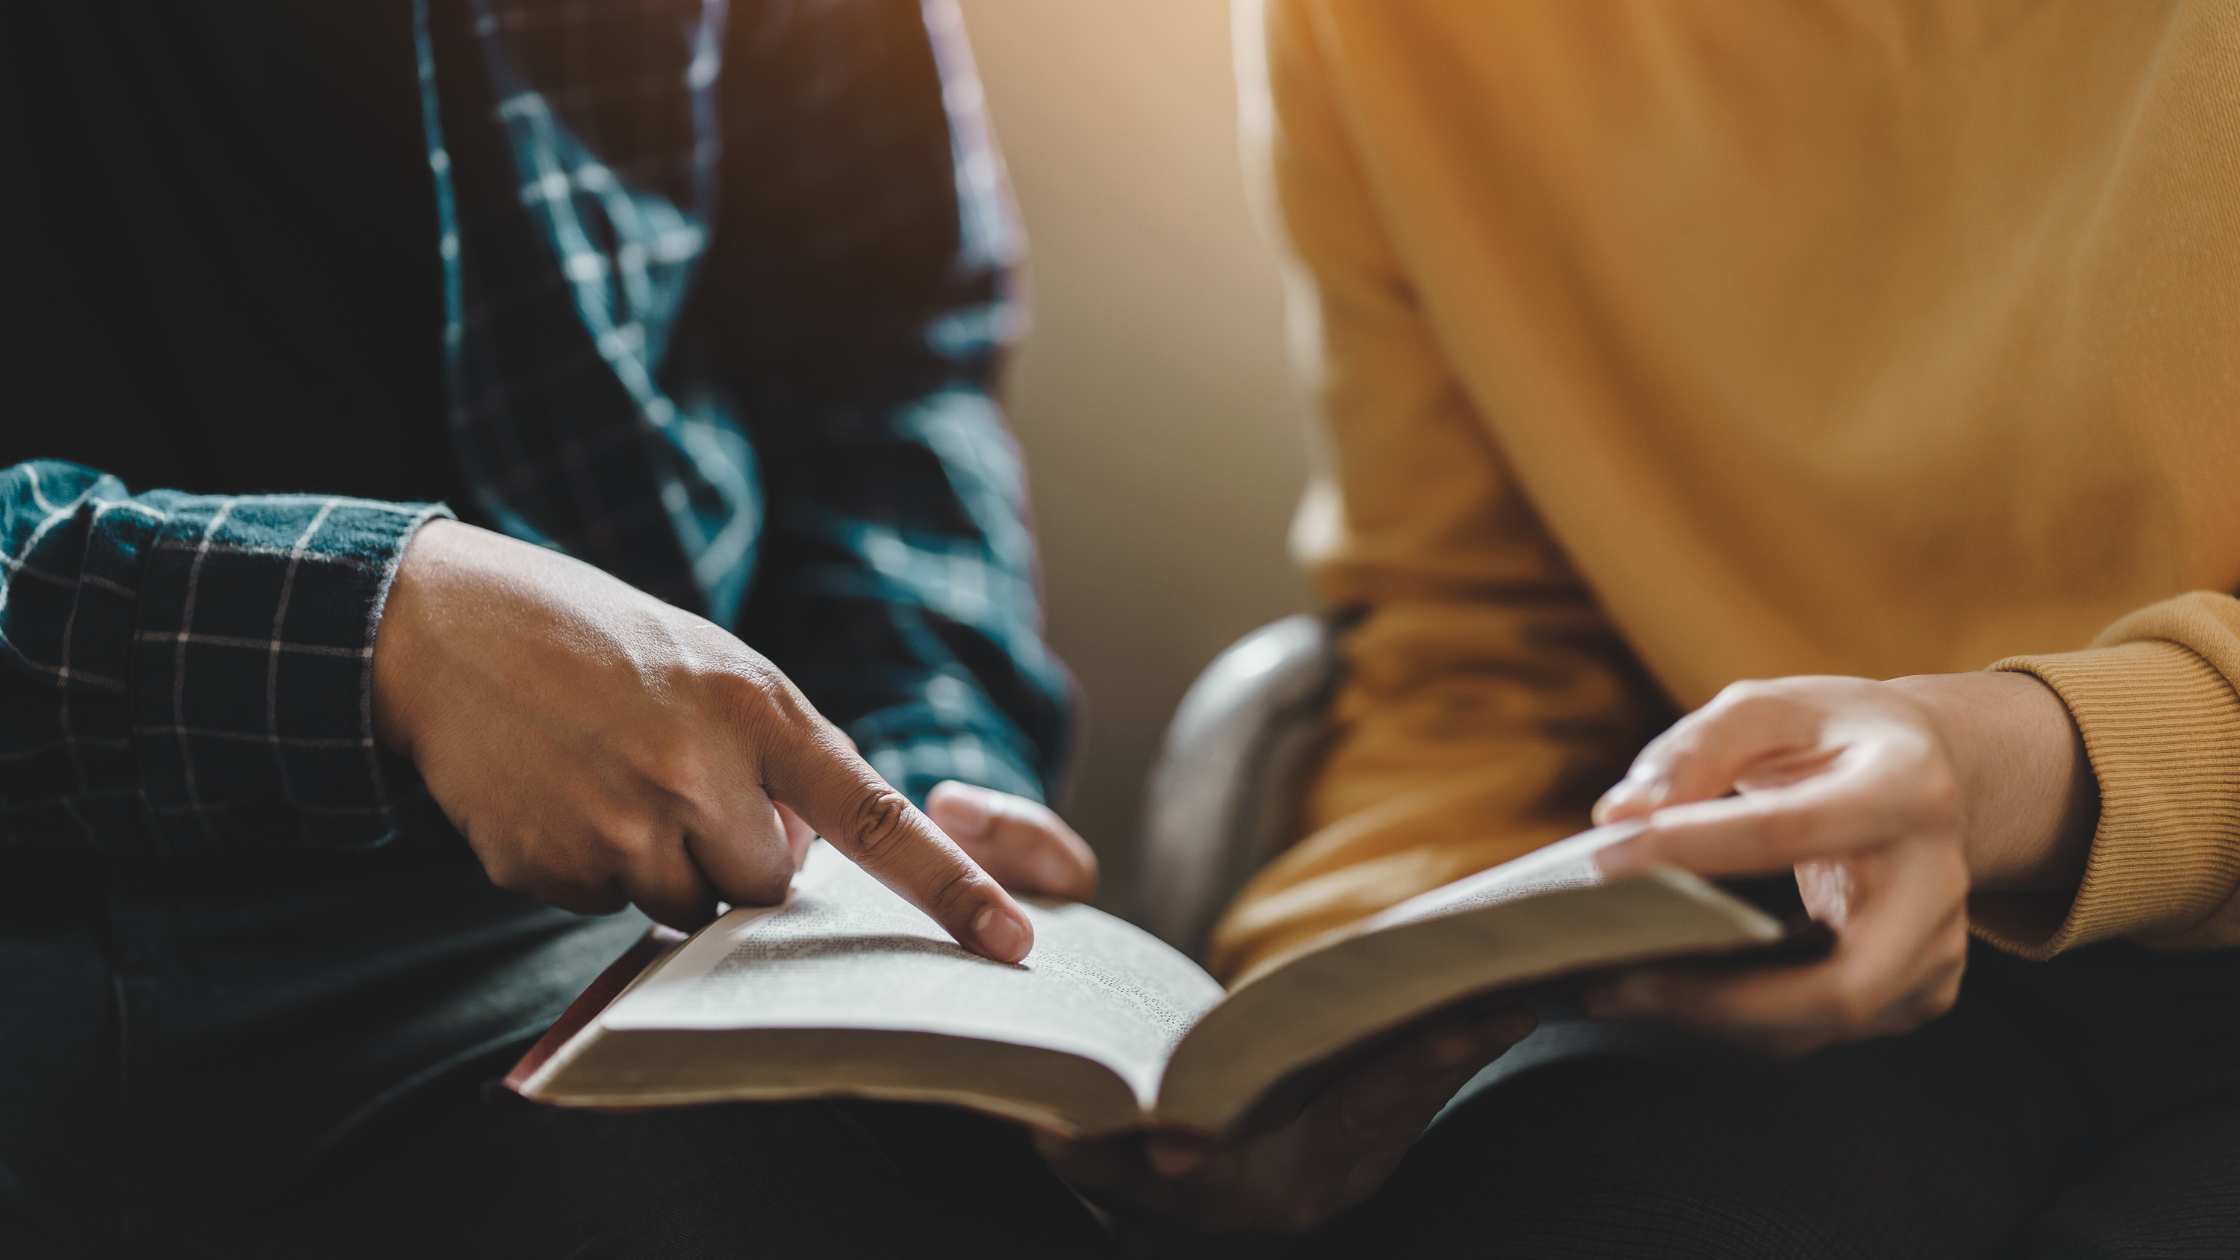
465,1178
2018,1120
2169,1191
1615,1150
259,1057
2073,1105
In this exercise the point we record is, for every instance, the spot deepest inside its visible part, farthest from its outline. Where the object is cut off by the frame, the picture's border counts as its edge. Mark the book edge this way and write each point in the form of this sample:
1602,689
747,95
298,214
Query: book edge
1757,928
552,1051
1402,913
987,1104
1766,929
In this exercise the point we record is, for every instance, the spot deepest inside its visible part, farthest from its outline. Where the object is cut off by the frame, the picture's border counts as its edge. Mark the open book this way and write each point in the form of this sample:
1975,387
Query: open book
846,989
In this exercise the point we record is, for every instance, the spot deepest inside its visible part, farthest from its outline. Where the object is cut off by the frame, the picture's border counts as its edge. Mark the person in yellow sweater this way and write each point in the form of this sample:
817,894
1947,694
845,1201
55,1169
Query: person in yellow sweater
1883,351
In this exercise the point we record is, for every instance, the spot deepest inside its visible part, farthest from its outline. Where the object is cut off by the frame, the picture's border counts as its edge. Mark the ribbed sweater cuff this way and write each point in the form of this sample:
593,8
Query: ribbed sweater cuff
2162,729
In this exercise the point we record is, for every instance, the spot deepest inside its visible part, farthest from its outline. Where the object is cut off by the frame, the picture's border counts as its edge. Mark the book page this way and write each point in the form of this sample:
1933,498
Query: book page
1541,916
1567,863
845,952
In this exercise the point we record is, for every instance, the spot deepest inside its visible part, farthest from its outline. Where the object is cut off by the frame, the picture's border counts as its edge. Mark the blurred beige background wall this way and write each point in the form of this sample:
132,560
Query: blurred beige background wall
1161,424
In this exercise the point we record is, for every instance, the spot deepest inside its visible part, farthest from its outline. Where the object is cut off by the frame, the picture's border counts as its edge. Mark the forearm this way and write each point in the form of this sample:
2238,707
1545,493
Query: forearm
189,672
2048,803
2028,793
2156,703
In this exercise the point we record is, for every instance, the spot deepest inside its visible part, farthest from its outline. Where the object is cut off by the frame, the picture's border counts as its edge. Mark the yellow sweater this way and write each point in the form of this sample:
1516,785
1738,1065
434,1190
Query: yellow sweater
1670,343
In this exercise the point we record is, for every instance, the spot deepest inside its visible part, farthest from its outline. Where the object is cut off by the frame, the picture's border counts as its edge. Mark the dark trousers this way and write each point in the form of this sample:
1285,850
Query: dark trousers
2085,1108
255,1068
814,1179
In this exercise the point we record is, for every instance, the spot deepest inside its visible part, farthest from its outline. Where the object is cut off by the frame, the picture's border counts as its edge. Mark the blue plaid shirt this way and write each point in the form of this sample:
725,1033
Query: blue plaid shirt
725,288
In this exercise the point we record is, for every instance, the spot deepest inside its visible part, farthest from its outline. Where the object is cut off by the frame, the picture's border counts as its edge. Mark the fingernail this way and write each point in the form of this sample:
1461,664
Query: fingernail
1632,794
1618,860
1002,936
1054,871
969,806
1603,806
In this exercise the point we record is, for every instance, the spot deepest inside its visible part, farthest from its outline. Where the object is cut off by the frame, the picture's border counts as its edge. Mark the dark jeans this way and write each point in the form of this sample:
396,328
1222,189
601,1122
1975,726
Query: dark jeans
811,1179
286,1063
178,1038
2086,1107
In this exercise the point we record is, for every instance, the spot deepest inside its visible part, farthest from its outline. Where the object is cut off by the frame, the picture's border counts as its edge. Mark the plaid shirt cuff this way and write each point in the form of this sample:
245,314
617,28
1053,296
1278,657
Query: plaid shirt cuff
206,665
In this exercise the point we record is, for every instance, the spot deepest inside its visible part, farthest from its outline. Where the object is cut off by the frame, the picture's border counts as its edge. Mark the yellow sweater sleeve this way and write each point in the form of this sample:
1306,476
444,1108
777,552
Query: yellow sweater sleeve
1486,699
2154,697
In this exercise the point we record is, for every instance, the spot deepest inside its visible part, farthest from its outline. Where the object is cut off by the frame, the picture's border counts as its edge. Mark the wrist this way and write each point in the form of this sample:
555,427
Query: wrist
399,645
2028,798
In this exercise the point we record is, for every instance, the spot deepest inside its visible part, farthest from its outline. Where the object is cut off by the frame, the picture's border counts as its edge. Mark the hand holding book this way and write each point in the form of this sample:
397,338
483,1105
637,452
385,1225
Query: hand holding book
1893,802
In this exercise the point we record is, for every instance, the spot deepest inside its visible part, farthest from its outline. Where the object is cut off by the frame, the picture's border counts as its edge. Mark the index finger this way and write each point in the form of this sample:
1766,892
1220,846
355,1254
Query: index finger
1704,753
1862,801
825,782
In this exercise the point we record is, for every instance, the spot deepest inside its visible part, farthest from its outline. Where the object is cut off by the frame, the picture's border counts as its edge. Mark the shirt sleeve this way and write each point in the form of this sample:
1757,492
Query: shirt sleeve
1486,700
2155,699
859,295
185,673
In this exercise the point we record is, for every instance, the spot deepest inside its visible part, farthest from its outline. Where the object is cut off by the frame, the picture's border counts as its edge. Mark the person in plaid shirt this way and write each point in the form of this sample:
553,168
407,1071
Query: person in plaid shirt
689,311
